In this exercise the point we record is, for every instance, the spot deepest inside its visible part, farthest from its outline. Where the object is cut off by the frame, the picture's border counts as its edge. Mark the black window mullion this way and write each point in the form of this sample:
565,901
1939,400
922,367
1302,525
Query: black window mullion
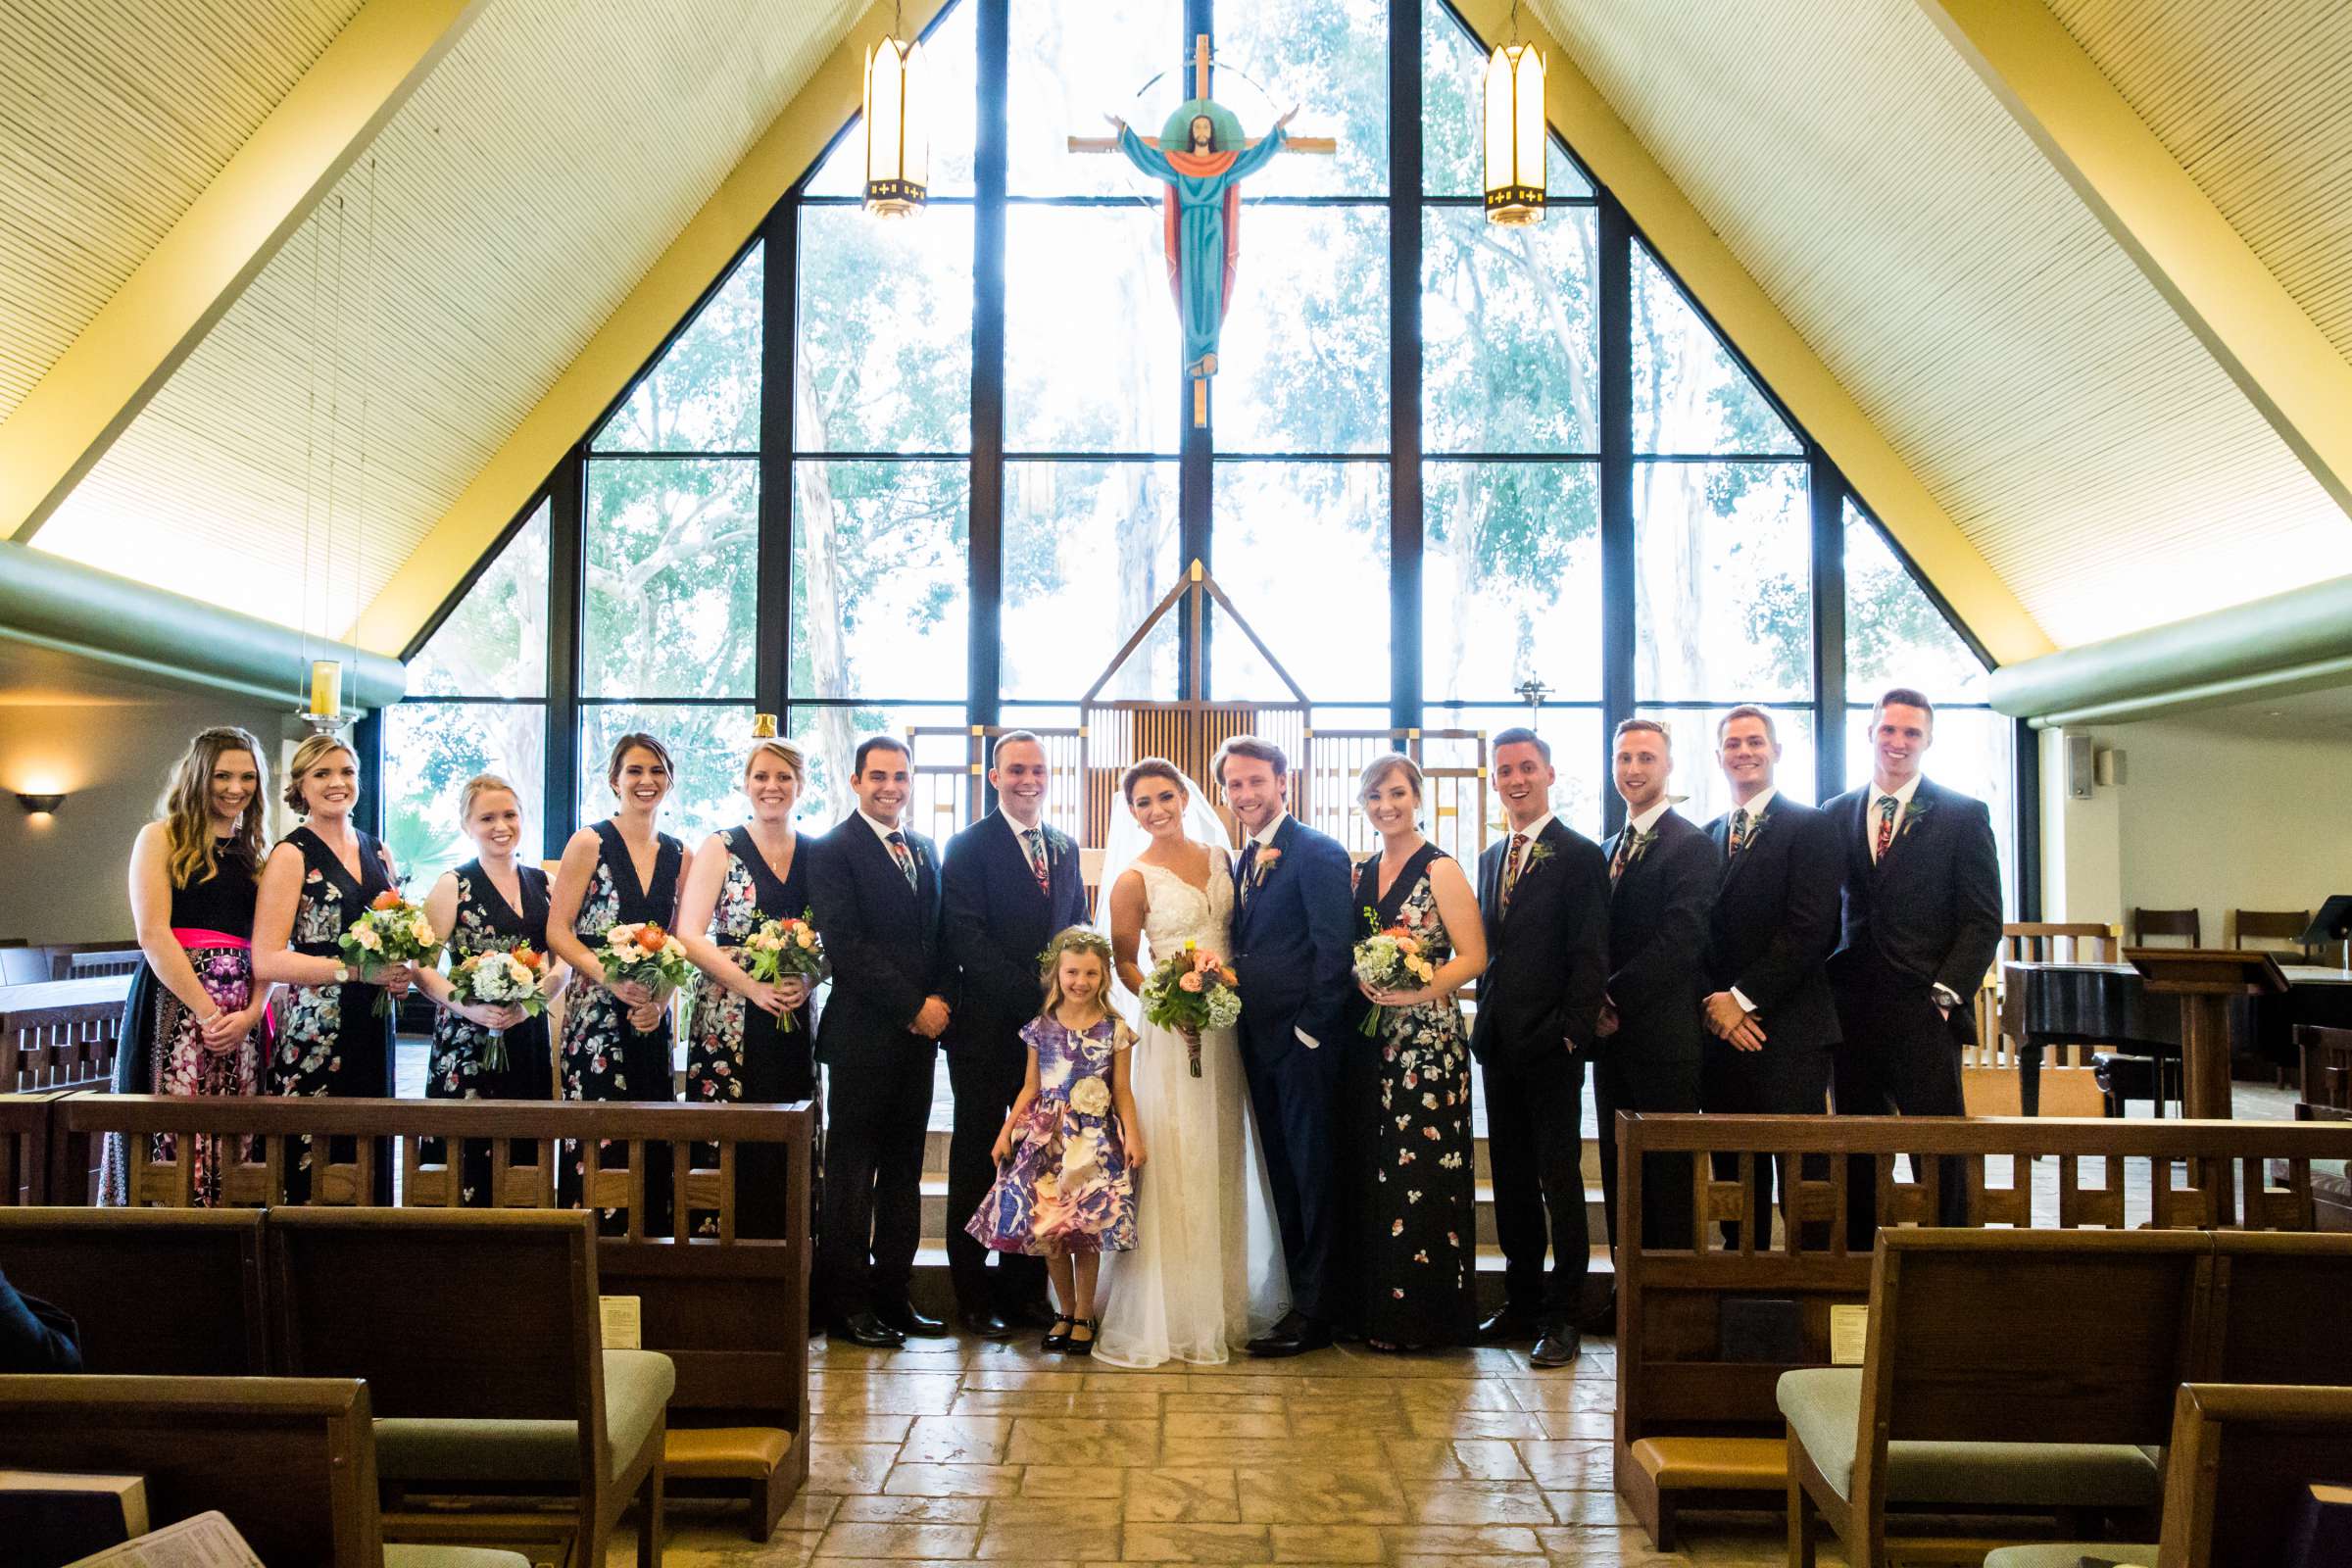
1826,492
567,587
1405,516
778,343
1618,585
985,566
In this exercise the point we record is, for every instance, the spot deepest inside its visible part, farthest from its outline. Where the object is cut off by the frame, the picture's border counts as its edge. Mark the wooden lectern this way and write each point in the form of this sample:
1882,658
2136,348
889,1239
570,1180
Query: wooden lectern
2205,979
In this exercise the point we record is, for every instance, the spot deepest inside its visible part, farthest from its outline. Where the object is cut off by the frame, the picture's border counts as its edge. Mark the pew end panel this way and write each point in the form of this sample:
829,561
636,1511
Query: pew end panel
102,1266
2241,1455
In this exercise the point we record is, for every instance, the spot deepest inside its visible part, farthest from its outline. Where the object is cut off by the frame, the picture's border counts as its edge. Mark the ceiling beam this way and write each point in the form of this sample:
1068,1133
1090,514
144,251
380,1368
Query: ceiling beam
220,244
794,140
2163,220
1777,351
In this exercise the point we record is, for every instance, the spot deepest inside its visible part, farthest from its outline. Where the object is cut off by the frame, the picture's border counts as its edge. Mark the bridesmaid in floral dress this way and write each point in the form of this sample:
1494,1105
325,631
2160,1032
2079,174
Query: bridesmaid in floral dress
738,1047
616,1035
192,1024
492,903
1416,1240
331,1038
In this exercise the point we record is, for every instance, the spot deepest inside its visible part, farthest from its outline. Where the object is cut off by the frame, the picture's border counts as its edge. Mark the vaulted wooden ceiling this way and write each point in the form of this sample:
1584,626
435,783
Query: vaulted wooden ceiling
2096,443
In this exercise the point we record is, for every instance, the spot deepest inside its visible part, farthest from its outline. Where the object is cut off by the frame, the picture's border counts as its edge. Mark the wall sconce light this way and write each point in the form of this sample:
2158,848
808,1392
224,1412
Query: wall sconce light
40,804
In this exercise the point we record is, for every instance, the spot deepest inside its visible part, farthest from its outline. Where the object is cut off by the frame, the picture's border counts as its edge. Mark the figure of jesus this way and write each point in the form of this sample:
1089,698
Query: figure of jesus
1203,211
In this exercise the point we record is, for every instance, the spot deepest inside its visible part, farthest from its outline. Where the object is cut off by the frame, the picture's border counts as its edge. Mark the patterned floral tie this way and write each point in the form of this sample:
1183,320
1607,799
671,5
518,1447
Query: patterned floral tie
900,854
1510,868
1248,867
1625,842
1888,807
1036,841
1739,831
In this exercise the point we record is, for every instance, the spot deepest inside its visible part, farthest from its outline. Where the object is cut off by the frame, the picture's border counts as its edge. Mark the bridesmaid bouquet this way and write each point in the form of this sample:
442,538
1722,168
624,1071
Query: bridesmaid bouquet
1192,988
642,951
389,931
1390,960
501,980
784,948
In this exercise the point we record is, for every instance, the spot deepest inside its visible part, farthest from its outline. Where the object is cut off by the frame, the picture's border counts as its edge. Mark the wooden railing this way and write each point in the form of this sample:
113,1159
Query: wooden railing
61,1034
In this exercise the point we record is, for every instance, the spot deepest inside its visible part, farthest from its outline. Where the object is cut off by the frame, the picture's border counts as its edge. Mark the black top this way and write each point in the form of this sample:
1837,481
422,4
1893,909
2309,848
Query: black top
489,909
659,901
777,899
1367,884
223,902
357,896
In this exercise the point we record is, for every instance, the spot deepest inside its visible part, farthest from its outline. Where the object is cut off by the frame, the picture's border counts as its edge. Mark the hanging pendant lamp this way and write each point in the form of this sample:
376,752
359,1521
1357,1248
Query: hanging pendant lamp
897,127
1514,131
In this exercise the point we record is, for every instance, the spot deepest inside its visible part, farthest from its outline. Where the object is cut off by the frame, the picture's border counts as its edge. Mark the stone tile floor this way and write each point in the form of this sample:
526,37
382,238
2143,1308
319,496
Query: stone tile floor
958,1450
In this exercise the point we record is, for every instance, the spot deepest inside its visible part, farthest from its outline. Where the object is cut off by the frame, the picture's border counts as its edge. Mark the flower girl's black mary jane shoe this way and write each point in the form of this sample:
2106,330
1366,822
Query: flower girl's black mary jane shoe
1085,1346
1057,1337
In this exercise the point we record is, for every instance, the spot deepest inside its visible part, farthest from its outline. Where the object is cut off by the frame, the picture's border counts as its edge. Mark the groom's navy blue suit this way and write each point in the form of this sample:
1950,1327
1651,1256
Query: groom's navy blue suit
1291,937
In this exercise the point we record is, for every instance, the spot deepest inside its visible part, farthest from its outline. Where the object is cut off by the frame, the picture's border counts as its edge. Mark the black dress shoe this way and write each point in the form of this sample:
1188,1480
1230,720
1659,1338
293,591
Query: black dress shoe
909,1321
1557,1346
1508,1324
990,1325
864,1328
1309,1334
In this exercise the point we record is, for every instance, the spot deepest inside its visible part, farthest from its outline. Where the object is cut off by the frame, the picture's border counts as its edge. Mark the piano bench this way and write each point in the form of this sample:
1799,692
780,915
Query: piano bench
2123,1078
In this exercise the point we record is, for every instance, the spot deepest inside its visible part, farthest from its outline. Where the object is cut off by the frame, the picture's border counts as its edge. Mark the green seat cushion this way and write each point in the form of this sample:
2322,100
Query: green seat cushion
637,1387
1824,1409
2068,1554
453,1557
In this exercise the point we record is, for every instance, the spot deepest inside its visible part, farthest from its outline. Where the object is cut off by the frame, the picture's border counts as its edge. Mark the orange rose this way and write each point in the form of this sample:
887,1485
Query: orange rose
386,899
650,938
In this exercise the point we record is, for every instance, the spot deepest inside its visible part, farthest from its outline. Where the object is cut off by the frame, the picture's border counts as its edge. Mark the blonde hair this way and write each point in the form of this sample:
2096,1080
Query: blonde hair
186,807
480,785
1379,767
1074,939
305,758
782,750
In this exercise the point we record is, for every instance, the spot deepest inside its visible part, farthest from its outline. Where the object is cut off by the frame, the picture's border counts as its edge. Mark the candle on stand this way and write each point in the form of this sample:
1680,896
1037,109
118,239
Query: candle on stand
326,688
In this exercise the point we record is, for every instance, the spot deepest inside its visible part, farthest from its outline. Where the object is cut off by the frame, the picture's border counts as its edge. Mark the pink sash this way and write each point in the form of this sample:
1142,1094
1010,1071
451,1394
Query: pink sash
191,940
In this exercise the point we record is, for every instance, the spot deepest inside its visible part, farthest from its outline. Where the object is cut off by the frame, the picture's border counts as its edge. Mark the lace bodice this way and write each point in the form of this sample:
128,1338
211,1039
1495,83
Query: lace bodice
1177,911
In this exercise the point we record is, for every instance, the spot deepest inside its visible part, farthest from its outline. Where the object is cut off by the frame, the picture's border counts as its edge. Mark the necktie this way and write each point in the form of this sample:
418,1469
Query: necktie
1249,868
1625,842
1738,829
899,853
1038,867
1888,807
1510,868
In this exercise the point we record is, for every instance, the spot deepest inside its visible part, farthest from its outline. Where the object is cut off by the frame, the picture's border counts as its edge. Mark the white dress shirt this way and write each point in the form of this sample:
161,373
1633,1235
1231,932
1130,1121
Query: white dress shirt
1650,819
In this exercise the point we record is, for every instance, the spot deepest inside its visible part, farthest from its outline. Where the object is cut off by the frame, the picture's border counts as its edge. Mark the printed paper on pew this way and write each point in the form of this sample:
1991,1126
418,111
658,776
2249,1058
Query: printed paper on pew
622,1328
207,1541
1849,1335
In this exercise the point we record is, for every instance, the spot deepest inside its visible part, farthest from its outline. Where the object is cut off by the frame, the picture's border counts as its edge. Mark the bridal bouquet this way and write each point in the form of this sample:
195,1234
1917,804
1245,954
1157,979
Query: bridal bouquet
642,951
782,950
1192,988
501,980
1390,960
389,931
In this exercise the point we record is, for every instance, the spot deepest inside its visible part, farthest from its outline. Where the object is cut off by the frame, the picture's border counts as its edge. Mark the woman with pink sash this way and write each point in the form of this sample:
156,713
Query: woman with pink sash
195,1022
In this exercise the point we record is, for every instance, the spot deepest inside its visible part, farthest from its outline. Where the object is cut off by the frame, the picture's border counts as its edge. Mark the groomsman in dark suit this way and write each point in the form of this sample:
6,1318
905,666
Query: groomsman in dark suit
1012,884
1769,1012
1922,923
1663,873
1544,893
875,892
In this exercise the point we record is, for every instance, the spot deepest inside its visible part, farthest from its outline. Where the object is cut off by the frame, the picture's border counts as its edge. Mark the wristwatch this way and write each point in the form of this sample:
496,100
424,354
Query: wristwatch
342,974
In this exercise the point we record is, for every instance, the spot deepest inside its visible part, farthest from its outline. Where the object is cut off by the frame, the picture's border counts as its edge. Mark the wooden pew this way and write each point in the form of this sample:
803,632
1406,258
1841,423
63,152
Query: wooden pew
479,1338
730,1311
1949,1412
2240,1456
152,1293
1696,1422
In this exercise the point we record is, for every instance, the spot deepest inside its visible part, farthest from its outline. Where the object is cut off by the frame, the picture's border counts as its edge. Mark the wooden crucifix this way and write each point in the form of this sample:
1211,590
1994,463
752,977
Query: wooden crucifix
1202,156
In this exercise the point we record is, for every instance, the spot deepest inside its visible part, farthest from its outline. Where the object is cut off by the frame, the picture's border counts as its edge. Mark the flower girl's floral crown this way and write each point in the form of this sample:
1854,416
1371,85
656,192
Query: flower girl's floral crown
1076,939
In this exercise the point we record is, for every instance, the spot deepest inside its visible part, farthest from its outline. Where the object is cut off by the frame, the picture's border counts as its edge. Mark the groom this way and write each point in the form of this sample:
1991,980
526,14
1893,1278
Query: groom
1293,896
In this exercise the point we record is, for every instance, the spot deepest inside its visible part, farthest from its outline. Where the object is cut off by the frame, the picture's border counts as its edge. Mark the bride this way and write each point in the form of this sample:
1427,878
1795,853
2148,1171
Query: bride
1206,1272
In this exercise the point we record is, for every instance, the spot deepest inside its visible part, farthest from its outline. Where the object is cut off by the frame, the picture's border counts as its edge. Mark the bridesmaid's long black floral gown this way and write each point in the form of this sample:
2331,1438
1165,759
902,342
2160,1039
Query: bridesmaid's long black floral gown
487,923
331,1038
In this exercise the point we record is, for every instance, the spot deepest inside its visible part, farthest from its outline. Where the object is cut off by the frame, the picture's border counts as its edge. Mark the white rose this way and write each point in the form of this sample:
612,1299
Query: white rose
365,936
519,972
806,939
423,932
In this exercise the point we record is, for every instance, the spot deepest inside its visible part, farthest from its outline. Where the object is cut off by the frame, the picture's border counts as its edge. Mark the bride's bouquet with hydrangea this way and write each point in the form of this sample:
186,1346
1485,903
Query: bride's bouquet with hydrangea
1192,990
1390,960
782,950
389,931
641,950
501,980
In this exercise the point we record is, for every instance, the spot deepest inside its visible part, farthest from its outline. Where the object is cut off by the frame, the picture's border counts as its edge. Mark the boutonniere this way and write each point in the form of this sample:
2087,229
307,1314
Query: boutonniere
1912,815
1263,868
1537,854
1641,845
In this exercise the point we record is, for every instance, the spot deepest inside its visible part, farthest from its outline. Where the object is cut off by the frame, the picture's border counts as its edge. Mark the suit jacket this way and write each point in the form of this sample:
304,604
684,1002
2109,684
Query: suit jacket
1548,955
1294,941
1929,907
1659,943
1775,922
882,936
998,920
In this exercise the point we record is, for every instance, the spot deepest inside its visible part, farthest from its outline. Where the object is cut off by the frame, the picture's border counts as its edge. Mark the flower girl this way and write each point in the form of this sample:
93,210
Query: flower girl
1065,1187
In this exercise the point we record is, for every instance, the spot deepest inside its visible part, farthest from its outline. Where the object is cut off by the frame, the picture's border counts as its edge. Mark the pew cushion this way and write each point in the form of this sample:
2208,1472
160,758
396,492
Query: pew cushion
1824,1407
725,1454
1714,1464
637,1387
452,1558
2067,1554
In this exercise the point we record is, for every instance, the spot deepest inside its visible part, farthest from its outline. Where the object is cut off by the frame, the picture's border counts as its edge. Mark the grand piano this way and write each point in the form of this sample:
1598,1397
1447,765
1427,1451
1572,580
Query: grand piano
2044,1005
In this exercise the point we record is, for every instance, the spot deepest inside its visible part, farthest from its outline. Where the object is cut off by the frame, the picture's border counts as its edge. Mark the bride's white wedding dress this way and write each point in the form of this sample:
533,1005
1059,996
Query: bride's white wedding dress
1206,1272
